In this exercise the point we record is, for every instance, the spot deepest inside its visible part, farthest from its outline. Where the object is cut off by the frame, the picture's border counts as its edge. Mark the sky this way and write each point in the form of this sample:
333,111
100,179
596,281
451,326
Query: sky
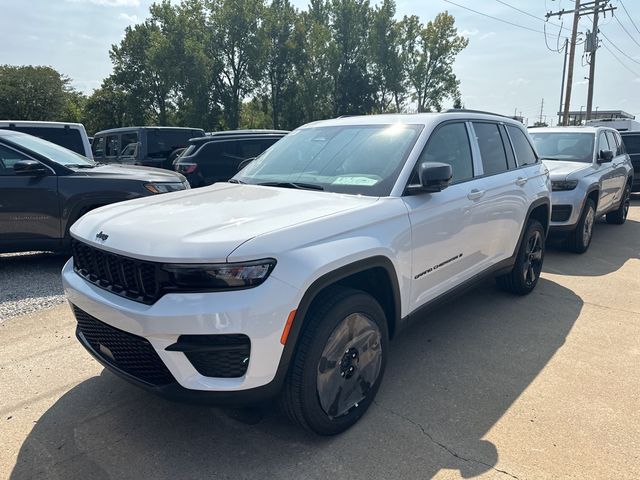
505,68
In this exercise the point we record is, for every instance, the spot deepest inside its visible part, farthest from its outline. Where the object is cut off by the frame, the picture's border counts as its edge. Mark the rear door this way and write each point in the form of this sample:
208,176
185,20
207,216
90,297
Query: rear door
618,166
607,175
29,205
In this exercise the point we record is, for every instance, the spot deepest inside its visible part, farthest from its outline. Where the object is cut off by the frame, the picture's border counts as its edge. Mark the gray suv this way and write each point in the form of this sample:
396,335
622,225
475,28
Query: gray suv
591,176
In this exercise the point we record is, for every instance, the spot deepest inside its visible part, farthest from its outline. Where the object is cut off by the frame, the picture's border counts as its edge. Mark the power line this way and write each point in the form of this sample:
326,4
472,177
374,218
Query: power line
625,30
618,59
496,18
529,14
619,49
627,12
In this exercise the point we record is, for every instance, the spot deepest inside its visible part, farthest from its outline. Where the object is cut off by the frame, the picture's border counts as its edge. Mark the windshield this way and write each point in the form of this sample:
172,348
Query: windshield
53,152
354,159
570,146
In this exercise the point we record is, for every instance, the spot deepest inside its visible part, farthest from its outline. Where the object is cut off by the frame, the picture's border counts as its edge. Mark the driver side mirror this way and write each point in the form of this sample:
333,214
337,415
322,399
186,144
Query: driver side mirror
605,156
434,177
30,167
245,162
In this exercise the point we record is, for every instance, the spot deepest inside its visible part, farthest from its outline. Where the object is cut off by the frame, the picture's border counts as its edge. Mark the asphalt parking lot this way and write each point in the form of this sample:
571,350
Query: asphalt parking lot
488,386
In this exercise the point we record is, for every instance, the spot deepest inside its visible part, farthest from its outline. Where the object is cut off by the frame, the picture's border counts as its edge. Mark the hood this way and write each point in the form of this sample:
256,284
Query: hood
561,170
133,172
206,224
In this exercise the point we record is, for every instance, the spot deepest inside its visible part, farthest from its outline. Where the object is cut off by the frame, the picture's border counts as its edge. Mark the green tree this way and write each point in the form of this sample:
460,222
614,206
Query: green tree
428,54
37,93
238,42
110,106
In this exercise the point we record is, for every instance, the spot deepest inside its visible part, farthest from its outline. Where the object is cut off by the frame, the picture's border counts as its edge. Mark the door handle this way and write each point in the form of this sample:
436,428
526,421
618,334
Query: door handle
521,181
475,194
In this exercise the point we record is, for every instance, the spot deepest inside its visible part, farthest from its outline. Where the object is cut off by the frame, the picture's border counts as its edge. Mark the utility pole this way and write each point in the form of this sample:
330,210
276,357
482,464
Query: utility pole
564,72
581,9
541,109
592,59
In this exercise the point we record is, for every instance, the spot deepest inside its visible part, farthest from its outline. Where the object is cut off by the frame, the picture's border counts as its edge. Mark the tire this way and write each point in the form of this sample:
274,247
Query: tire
580,238
524,275
619,216
328,358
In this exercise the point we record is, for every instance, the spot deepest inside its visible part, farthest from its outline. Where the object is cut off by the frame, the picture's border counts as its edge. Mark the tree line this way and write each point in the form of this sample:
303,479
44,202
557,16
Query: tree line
224,64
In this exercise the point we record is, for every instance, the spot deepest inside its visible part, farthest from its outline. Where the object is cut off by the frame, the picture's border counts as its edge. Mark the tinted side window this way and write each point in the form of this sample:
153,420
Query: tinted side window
127,139
450,144
98,147
632,143
8,158
65,137
524,152
112,146
494,159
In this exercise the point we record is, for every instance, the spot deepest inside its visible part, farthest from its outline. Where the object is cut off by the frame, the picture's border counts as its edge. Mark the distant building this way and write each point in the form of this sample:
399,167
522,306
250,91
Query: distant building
577,117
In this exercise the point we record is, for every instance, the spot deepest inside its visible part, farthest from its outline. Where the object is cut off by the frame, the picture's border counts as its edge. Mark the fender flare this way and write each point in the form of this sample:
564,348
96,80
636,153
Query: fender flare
537,203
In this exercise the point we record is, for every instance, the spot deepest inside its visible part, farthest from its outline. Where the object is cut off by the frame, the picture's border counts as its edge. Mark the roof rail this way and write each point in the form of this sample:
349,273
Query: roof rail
466,110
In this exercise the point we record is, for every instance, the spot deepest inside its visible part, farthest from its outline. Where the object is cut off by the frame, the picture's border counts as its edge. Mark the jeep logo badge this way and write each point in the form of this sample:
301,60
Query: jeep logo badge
102,236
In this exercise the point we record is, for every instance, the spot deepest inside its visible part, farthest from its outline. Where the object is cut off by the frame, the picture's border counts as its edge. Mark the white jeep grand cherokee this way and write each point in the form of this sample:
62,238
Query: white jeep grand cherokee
290,279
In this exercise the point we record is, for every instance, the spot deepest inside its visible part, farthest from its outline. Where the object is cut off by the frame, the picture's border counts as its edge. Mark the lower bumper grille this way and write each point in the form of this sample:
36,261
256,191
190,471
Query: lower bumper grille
560,213
222,356
127,352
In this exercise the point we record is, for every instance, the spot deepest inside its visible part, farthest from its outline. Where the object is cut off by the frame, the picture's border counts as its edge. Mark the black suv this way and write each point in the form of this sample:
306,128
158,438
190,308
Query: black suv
632,144
148,146
44,188
217,156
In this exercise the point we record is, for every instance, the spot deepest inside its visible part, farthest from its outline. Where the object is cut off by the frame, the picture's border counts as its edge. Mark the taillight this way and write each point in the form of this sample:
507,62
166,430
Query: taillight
186,167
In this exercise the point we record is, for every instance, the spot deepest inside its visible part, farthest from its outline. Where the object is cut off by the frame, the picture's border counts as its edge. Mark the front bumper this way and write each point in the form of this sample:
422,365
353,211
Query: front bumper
566,207
260,313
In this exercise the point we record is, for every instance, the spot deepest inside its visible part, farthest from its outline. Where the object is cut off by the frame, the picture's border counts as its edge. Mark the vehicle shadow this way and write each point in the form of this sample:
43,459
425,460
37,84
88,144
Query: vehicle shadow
30,275
450,378
611,247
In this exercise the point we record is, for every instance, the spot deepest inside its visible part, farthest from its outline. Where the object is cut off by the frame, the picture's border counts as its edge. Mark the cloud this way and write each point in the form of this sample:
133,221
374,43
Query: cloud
484,36
128,18
519,81
637,79
469,33
109,3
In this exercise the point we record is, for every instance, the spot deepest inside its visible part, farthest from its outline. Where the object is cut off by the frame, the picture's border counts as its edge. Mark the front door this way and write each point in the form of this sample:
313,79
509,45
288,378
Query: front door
29,204
444,247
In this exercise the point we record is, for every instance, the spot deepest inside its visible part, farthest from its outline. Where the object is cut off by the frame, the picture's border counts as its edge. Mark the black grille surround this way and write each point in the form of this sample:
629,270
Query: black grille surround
134,279
220,355
124,351
561,213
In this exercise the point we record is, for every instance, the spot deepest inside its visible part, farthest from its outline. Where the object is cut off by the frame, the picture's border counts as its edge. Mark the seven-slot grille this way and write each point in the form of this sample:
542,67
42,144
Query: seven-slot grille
134,279
126,352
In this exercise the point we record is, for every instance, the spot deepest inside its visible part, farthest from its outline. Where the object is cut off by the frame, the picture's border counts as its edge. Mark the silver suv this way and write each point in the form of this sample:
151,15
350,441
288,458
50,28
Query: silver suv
591,176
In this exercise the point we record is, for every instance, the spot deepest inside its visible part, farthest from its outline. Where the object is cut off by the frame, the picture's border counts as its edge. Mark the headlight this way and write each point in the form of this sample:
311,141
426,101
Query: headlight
559,185
220,276
159,187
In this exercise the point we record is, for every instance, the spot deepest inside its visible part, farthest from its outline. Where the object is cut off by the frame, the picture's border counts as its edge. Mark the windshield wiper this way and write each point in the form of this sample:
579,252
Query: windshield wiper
235,180
300,186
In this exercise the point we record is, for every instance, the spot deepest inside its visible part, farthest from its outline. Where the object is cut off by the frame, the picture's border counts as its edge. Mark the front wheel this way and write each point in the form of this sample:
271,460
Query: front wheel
339,362
525,273
580,238
619,216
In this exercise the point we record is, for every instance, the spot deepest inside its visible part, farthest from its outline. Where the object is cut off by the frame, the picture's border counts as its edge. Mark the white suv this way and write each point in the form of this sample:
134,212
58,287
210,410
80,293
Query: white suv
290,279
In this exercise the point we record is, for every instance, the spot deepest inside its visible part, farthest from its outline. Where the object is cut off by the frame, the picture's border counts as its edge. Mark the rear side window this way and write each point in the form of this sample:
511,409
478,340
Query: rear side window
524,151
8,158
161,143
494,158
632,143
450,144
65,137
127,139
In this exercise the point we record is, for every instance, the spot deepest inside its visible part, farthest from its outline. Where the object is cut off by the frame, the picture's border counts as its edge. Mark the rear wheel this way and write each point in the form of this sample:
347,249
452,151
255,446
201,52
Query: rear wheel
580,238
525,273
619,216
339,362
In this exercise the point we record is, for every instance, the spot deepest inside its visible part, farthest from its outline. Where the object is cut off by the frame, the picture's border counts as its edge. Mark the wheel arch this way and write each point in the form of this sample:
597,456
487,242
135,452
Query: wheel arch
539,210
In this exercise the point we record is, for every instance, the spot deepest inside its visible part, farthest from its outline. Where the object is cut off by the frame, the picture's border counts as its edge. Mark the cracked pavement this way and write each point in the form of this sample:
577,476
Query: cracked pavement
488,386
